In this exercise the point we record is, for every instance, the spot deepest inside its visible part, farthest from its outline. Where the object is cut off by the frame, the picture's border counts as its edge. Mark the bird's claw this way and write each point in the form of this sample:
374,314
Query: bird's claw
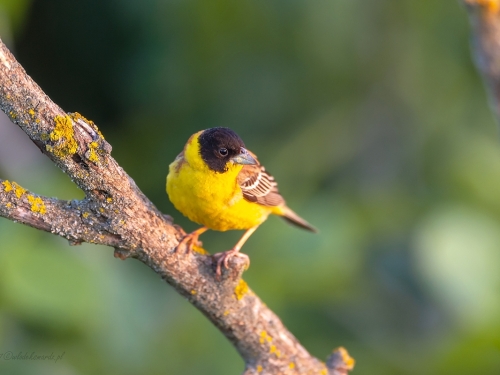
189,240
223,259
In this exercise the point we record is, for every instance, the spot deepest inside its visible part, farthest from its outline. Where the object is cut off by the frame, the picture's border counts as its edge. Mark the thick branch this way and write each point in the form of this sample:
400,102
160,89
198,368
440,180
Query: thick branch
484,16
116,213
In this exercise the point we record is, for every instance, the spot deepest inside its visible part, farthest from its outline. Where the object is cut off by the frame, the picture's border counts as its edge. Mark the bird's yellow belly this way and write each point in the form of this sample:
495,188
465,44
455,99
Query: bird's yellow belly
212,199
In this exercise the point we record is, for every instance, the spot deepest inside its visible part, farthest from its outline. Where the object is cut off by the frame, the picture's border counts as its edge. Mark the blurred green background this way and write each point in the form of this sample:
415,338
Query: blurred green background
371,116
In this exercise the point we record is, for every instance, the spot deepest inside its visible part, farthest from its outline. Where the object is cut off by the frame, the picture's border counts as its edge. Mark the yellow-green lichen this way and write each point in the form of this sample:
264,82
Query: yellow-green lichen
291,365
259,369
8,205
109,199
200,250
12,186
37,204
32,112
86,215
44,137
276,352
193,292
241,289
265,337
91,153
63,134
18,190
226,313
7,186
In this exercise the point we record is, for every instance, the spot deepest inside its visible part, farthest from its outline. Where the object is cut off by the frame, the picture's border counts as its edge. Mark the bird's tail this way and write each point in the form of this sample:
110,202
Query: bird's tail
295,219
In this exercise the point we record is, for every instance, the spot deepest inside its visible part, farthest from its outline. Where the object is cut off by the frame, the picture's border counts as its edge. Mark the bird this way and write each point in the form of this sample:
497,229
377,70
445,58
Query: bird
216,182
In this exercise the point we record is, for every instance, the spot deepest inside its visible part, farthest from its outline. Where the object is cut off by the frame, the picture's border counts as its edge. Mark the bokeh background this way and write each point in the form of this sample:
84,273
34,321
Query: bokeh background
371,116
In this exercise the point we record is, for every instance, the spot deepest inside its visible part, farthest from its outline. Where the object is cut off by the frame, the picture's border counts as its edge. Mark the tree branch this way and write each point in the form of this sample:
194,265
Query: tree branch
73,220
116,213
484,16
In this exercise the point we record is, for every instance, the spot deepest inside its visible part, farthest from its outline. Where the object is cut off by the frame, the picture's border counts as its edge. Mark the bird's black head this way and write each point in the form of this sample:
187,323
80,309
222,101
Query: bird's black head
218,146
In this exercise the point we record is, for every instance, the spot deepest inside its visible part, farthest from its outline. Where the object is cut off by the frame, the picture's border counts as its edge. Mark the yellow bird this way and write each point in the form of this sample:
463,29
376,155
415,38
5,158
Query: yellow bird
216,182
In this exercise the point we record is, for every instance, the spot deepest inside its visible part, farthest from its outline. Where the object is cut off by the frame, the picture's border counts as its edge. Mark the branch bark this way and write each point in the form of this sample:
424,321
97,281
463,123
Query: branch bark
484,16
117,214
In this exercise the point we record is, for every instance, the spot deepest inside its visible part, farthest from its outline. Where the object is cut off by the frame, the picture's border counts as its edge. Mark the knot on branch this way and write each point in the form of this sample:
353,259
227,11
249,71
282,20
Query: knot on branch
90,137
340,362
121,253
74,135
486,7
236,265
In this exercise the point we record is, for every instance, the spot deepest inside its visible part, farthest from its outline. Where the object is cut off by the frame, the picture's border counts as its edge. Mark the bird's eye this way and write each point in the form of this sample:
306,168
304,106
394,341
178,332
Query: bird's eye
223,151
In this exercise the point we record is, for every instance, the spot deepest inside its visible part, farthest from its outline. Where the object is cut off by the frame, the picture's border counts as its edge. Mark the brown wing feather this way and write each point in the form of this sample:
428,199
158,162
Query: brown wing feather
259,186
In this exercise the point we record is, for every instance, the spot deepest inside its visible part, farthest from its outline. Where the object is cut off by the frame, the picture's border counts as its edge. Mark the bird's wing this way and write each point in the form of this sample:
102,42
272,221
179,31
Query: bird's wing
258,186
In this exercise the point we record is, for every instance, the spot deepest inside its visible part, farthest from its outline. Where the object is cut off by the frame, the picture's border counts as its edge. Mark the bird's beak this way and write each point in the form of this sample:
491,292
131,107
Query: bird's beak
244,158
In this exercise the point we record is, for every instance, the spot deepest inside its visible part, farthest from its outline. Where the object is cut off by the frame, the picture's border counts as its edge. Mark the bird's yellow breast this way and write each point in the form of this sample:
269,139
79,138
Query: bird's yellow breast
210,198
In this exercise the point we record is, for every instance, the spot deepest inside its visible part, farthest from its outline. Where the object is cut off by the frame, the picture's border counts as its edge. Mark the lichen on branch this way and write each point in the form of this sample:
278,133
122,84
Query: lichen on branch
63,137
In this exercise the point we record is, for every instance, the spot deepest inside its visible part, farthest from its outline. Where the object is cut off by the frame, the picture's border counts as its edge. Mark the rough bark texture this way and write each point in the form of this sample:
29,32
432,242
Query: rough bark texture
116,213
484,16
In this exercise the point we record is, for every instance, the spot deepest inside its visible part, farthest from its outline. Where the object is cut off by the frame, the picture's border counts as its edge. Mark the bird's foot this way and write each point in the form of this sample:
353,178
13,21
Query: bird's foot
223,259
188,241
